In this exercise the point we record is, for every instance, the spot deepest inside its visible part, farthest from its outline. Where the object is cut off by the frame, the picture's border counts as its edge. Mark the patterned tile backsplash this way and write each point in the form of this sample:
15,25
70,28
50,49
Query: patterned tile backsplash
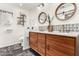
43,28
62,28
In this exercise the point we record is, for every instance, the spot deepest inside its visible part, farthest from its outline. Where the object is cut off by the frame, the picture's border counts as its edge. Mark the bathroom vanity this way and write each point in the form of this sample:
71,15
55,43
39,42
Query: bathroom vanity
51,44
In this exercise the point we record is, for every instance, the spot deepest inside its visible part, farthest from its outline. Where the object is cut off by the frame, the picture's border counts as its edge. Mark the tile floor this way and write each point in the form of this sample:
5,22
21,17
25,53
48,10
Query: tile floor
15,50
18,52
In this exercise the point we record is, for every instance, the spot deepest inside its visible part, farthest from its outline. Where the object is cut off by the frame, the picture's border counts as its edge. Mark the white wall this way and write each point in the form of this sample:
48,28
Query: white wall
50,9
7,39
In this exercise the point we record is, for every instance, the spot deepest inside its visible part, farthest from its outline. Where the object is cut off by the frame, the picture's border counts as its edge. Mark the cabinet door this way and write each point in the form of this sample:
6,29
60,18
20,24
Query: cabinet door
52,50
41,43
60,45
33,40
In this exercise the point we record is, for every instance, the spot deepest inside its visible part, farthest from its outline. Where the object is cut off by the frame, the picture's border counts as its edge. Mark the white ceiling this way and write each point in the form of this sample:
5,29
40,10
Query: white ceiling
26,5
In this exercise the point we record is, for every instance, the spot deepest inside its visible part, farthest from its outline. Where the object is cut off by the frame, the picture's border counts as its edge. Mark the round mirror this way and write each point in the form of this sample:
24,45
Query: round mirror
65,11
42,17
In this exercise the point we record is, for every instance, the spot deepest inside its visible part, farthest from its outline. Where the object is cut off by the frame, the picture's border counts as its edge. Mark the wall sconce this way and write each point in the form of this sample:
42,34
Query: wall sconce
40,5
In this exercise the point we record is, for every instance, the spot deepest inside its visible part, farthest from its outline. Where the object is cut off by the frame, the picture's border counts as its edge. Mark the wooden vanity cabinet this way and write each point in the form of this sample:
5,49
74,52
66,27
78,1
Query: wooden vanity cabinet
33,40
53,45
41,43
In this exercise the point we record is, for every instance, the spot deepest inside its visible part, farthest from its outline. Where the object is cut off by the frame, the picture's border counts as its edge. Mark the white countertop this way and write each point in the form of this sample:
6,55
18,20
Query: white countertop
73,34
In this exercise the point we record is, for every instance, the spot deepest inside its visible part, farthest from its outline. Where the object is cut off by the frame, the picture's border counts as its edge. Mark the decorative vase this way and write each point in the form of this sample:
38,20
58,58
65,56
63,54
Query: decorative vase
50,28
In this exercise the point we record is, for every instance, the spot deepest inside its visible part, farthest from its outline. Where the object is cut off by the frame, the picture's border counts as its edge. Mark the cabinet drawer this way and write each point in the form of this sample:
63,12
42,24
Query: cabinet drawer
65,49
62,39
